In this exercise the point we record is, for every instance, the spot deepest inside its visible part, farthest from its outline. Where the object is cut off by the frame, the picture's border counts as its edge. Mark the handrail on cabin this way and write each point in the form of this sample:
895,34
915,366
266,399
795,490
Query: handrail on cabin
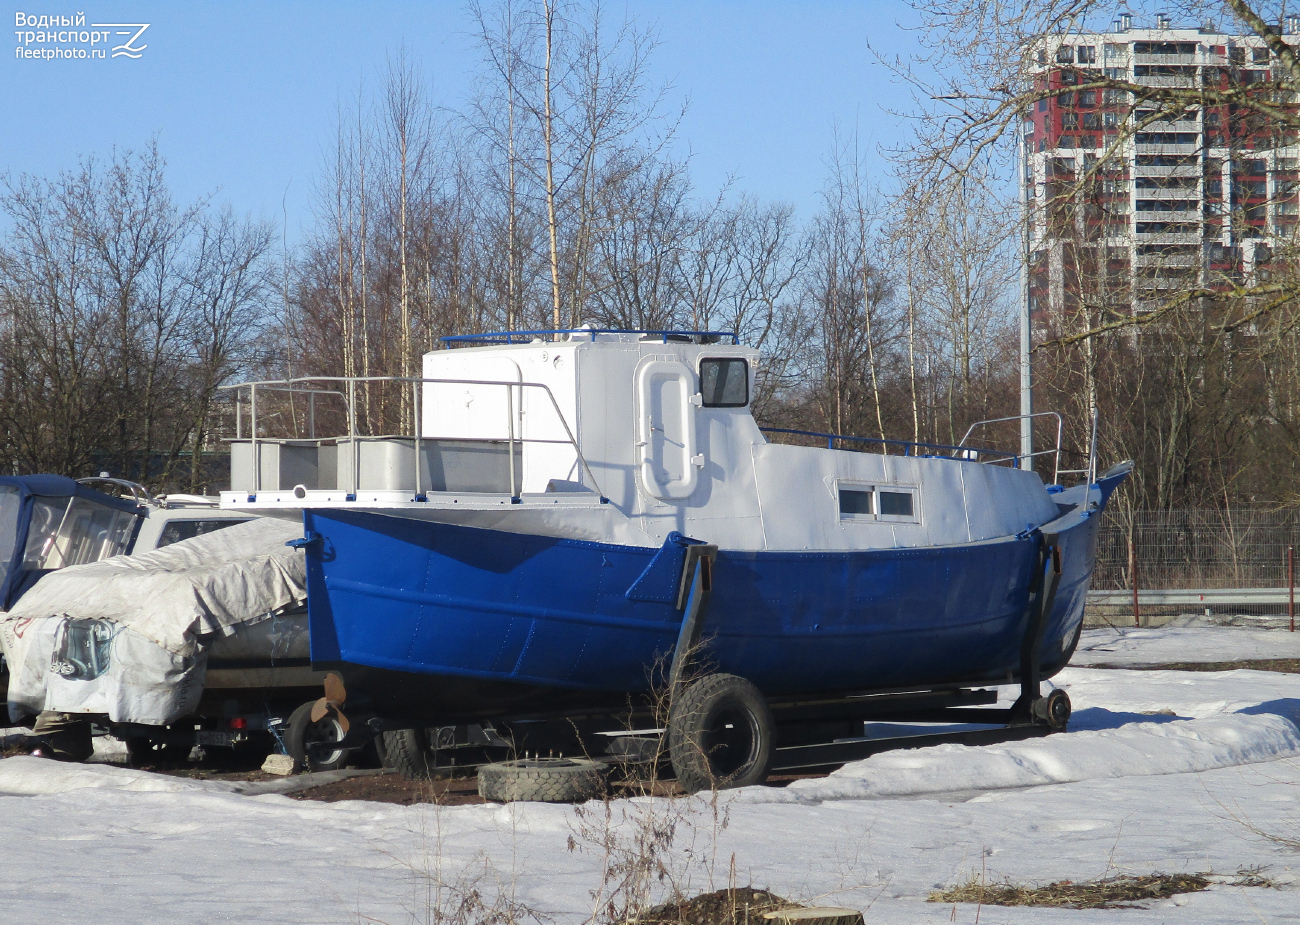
416,382
1002,455
1056,465
524,337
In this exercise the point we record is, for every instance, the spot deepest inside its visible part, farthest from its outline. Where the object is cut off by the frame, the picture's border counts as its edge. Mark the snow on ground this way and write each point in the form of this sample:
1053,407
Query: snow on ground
1128,646
1136,790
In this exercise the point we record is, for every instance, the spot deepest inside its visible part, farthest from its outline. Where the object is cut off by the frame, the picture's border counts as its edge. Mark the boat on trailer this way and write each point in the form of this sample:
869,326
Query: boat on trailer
566,504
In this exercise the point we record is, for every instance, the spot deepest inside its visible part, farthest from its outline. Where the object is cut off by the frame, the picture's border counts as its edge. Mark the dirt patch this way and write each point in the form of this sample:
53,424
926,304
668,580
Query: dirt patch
393,788
1284,665
741,906
210,774
1111,893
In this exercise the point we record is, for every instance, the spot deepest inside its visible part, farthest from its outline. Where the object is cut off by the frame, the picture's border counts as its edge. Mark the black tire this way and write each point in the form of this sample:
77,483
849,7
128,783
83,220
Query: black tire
300,734
542,780
720,734
407,752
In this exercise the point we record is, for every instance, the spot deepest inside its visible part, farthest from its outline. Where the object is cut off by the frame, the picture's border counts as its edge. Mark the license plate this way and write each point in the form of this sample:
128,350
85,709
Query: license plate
206,737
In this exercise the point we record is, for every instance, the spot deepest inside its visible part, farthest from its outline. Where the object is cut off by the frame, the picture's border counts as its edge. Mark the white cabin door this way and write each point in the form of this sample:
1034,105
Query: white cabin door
666,397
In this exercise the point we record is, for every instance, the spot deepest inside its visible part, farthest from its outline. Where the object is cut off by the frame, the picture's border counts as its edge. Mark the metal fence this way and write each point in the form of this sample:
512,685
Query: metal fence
1232,550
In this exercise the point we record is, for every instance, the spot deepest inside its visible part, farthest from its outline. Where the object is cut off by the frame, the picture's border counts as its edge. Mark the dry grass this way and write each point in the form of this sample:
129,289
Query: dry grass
741,906
1109,893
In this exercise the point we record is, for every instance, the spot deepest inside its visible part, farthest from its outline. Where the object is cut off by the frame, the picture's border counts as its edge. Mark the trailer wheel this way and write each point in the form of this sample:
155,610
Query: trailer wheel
1053,710
307,742
720,734
542,780
407,752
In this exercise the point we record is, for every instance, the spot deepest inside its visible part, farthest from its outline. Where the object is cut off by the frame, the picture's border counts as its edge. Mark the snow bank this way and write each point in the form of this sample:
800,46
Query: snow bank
24,775
1140,749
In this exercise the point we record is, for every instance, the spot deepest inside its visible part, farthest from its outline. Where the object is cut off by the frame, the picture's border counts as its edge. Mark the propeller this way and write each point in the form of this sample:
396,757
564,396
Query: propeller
335,696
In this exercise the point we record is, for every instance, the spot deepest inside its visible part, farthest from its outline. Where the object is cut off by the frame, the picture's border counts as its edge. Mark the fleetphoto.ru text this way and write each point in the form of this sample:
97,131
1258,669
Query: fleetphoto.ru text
67,38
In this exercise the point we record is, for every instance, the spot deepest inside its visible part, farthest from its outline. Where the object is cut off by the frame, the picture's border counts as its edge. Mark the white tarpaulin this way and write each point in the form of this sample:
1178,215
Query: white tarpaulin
127,636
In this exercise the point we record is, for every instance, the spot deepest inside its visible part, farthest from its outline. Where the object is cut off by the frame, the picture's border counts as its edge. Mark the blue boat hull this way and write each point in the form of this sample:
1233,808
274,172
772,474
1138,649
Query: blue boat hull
442,620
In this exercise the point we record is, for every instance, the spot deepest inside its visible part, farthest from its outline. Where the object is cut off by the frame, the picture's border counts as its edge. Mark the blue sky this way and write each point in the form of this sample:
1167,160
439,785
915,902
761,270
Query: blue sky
242,96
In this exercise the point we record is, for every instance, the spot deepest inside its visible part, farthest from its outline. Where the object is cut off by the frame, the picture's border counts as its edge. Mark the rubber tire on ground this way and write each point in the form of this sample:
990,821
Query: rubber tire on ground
542,780
407,752
720,734
300,731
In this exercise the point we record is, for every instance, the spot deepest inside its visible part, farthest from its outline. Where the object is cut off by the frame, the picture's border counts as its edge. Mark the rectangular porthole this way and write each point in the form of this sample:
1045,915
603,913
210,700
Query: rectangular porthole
856,503
878,504
895,503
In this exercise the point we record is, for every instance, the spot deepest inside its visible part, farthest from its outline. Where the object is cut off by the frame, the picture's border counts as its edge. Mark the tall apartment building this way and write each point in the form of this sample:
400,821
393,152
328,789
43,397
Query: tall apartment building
1192,201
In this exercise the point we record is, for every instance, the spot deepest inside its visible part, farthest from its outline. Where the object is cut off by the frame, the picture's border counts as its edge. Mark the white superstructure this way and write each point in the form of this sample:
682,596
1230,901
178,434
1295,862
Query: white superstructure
623,438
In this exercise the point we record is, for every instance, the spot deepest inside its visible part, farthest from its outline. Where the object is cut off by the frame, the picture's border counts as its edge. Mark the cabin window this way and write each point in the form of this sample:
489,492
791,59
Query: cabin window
896,504
724,383
47,515
878,504
11,506
178,530
83,532
856,503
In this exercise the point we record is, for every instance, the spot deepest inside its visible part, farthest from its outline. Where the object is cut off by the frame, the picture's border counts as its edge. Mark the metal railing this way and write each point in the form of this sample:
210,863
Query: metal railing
908,445
350,396
311,406
963,450
524,337
1055,453
139,494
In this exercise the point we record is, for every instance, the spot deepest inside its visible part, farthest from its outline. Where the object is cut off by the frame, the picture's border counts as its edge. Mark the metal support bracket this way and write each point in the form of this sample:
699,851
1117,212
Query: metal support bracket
692,597
311,537
1042,598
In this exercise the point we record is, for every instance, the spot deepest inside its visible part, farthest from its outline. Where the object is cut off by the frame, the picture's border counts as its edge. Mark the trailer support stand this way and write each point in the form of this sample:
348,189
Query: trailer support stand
693,597
1042,598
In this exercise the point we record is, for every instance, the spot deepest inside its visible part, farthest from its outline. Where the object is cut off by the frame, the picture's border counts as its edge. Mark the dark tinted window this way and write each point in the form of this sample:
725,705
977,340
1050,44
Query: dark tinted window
179,530
724,383
895,503
855,502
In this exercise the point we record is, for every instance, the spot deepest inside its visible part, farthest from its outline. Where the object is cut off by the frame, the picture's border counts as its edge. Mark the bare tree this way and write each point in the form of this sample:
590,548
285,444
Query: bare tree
105,287
227,289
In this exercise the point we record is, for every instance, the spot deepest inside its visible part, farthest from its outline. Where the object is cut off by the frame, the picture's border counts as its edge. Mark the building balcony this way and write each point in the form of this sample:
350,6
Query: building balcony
1167,215
1185,170
1168,194
1175,81
1166,59
1166,260
1161,125
1167,237
1168,150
